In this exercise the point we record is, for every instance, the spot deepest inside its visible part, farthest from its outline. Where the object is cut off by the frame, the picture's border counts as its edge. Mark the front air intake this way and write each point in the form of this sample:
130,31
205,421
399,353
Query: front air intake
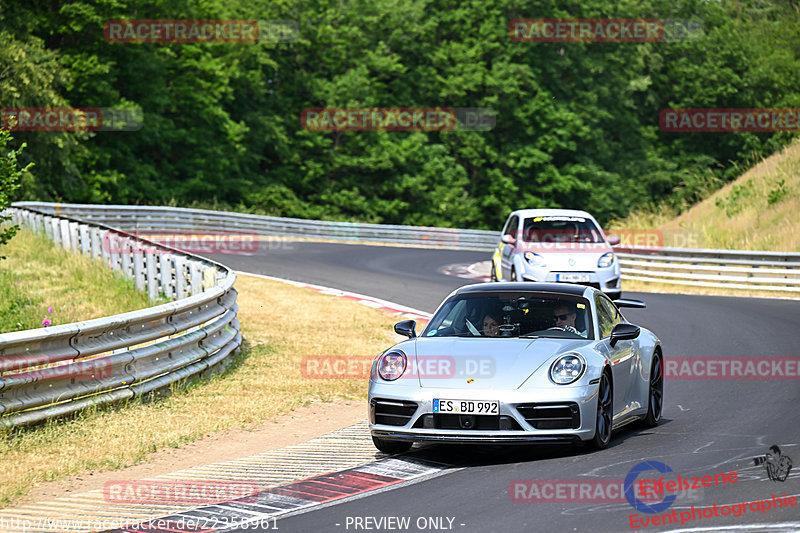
392,412
563,415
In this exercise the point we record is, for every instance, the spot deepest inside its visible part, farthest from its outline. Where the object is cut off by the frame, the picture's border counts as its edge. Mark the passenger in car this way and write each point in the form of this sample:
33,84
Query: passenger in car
491,326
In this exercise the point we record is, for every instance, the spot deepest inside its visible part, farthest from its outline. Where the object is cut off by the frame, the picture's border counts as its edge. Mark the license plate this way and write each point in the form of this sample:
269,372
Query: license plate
466,407
573,278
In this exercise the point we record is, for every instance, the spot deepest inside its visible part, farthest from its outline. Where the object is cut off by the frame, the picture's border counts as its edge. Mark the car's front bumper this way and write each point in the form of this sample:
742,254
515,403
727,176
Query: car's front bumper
604,279
416,418
472,438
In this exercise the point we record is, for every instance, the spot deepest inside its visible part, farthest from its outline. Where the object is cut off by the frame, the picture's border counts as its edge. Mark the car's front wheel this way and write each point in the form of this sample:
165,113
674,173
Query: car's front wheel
655,396
494,273
514,274
391,446
605,413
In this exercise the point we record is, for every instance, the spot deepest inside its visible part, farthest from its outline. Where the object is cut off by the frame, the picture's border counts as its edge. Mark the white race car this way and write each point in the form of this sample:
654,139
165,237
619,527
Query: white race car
557,245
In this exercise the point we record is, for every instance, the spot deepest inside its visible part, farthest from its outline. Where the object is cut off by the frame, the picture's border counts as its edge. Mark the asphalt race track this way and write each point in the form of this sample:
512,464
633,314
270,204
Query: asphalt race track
708,426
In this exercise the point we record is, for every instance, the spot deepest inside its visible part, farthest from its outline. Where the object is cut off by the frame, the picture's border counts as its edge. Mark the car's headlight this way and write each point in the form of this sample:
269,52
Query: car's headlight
534,259
392,364
567,368
606,260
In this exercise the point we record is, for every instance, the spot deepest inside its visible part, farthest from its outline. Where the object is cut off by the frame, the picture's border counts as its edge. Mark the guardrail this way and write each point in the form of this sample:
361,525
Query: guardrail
750,270
732,269
62,369
153,218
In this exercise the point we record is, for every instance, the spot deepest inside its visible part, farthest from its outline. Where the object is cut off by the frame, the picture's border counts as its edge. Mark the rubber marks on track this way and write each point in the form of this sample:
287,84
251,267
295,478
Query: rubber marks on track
480,271
283,499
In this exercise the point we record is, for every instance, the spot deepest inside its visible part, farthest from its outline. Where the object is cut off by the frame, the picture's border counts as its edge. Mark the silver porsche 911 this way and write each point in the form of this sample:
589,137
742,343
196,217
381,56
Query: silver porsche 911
517,363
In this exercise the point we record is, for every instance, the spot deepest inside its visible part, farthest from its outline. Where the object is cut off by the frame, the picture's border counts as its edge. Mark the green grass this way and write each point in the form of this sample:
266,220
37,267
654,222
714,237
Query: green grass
36,276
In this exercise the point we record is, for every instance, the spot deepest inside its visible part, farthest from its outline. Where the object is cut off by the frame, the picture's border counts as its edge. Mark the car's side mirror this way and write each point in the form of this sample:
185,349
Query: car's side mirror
624,332
613,240
407,328
624,302
508,239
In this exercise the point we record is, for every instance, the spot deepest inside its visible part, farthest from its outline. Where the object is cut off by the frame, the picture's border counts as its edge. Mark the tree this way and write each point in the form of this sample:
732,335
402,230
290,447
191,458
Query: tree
576,122
9,177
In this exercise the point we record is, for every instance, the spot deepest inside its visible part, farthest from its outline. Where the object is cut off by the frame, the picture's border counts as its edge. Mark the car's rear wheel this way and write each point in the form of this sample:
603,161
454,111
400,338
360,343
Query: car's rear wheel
514,274
655,396
391,446
494,273
605,413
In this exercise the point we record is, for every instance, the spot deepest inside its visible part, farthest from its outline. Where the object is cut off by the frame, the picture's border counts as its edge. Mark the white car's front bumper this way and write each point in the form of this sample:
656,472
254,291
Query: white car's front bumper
605,279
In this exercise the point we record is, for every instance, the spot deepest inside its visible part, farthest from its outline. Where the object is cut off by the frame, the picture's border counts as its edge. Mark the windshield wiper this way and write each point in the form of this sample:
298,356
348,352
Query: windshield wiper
530,336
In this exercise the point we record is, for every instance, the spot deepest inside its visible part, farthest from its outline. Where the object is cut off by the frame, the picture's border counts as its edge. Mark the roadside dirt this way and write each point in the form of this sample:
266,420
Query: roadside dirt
295,427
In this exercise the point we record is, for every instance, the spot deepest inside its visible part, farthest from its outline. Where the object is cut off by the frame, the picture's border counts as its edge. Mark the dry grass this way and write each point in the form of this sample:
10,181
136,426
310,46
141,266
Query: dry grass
282,324
742,216
758,211
36,275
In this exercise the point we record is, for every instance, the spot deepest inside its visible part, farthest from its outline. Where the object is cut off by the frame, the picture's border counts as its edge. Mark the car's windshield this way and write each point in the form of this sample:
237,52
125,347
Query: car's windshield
560,229
512,314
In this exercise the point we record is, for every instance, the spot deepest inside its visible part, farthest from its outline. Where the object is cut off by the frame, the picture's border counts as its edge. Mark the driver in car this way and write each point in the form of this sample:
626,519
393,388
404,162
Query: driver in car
564,315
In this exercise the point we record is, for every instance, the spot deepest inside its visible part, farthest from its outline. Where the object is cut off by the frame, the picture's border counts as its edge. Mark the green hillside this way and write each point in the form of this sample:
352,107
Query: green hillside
757,211
577,123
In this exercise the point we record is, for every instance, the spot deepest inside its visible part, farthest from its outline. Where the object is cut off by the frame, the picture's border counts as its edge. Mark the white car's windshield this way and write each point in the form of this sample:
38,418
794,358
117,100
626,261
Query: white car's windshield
560,229
512,314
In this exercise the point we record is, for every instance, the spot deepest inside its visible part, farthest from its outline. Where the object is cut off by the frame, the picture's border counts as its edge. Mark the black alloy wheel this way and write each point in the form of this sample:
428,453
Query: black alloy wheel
605,413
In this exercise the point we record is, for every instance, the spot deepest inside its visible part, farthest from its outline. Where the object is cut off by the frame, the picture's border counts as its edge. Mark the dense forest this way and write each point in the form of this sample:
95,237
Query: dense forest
576,123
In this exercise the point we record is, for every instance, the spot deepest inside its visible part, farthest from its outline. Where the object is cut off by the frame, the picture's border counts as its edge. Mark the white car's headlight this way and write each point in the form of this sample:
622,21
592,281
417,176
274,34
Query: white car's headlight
567,368
534,259
606,260
392,364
